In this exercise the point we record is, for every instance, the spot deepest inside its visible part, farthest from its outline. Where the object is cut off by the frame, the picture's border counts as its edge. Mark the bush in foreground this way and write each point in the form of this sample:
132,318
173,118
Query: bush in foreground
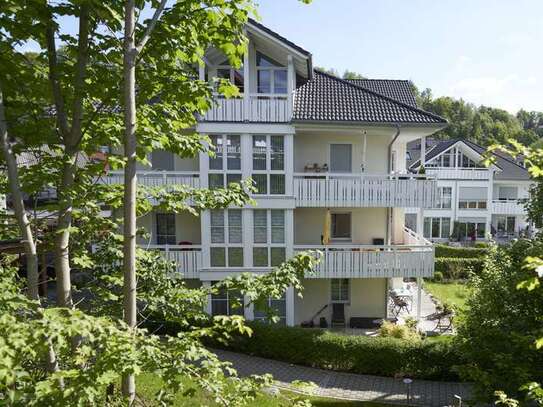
348,353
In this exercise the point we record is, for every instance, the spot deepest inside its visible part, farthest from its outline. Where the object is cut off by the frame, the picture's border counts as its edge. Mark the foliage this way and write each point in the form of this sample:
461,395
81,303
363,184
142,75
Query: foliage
460,252
450,294
406,332
349,353
347,74
453,268
502,323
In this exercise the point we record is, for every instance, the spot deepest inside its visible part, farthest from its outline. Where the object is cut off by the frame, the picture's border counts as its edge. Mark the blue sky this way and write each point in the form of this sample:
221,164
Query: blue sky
484,51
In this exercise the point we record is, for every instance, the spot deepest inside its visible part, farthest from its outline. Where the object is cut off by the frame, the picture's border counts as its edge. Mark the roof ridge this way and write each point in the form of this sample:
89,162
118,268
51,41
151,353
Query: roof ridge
278,36
506,158
375,79
397,102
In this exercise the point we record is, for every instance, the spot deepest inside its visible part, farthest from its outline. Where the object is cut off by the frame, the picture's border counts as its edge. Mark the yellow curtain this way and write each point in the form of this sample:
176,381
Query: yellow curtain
326,228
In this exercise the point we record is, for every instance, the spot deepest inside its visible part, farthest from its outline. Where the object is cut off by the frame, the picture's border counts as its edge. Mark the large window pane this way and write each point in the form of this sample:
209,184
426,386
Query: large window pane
260,226
234,226
165,228
216,181
264,81
260,256
435,227
341,225
340,289
280,81
235,257
278,226
162,160
277,256
233,178
217,226
215,163
235,303
277,184
217,257
277,152
445,228
233,152
238,78
261,183
259,152
428,228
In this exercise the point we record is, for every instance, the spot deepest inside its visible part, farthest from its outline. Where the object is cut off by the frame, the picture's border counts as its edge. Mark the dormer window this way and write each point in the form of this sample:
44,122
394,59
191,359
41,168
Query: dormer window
271,76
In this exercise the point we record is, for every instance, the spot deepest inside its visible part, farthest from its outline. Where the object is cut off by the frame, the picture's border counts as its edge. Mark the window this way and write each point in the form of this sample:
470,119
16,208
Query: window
268,237
271,76
467,204
437,228
471,230
445,198
340,289
507,193
225,160
235,76
227,302
274,306
165,228
472,198
341,226
505,225
269,165
226,238
341,158
162,160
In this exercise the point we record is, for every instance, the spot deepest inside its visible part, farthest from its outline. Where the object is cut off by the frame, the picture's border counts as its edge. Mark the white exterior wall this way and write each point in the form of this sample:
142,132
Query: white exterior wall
367,300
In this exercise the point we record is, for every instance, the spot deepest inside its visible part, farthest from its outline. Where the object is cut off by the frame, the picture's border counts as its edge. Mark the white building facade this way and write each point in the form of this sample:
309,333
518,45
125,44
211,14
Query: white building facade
475,202
320,150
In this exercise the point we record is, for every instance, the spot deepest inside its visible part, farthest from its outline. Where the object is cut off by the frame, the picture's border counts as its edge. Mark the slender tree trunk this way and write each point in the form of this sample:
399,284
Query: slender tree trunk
130,182
18,206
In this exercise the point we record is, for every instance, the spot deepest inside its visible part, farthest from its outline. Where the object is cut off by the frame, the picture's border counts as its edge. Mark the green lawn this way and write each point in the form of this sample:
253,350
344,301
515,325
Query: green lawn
455,294
149,384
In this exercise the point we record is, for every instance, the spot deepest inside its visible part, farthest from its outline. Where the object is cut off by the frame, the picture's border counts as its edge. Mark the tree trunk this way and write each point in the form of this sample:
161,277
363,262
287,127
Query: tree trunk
130,183
18,207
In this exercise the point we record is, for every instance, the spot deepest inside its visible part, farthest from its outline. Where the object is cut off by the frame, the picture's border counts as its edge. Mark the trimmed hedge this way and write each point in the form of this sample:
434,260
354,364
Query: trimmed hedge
458,268
460,252
348,353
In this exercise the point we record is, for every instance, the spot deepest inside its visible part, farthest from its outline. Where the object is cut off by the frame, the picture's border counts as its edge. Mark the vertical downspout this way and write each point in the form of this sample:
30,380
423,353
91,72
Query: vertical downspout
389,169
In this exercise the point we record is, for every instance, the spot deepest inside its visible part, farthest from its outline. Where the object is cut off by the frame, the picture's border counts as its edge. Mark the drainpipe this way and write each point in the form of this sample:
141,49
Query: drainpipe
389,166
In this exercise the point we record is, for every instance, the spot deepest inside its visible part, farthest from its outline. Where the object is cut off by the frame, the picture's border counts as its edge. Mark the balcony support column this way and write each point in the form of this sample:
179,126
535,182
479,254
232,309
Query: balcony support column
420,214
419,298
289,302
208,309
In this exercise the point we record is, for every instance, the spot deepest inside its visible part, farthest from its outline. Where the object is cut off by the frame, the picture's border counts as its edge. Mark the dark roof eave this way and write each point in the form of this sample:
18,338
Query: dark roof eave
438,126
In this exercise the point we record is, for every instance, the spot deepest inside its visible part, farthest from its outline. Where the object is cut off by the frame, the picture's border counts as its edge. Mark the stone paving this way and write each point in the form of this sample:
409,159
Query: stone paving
349,386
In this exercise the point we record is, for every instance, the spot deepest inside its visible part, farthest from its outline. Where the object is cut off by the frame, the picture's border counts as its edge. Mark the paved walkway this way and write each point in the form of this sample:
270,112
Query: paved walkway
349,386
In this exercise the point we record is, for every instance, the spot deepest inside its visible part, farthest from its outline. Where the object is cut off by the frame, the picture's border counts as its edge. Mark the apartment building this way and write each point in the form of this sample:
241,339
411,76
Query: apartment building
475,202
327,159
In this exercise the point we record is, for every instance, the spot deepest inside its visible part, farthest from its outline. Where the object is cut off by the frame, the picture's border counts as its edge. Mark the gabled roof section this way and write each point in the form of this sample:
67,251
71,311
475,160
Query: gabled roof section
327,98
509,169
279,37
397,89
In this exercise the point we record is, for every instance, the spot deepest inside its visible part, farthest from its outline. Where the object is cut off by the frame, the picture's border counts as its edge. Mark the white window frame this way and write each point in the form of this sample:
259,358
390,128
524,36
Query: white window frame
330,157
269,244
168,235
341,281
431,220
282,318
268,171
224,171
441,192
272,70
240,310
226,244
232,74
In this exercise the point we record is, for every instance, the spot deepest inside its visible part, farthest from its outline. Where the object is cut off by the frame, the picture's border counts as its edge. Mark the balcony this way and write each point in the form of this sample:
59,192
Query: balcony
188,259
156,178
361,190
459,173
414,258
258,108
508,207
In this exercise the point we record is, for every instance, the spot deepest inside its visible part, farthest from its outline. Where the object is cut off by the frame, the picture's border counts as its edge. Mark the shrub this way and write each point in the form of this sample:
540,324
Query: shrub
460,252
457,268
438,276
356,354
406,332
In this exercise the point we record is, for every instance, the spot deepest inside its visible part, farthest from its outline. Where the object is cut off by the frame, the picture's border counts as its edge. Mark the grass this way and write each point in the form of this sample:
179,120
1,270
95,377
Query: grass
455,293
149,384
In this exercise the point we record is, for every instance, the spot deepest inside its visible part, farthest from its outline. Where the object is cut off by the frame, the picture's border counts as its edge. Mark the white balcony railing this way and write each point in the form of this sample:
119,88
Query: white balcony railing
157,178
188,258
509,207
459,173
415,258
260,107
361,190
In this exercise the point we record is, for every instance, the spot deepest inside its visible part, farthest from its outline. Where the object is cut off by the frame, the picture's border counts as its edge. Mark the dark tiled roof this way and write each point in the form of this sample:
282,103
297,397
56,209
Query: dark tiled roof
327,98
279,37
399,90
510,170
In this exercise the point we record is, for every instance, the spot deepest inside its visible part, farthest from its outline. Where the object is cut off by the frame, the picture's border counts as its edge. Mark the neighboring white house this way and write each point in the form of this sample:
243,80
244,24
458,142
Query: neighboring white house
480,201
318,148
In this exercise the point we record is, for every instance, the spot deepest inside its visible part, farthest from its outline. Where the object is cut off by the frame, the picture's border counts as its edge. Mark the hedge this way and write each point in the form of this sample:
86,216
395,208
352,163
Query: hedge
348,353
458,268
460,252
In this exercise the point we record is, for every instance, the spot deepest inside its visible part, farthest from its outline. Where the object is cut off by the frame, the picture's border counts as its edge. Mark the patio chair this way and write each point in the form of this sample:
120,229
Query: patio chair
338,314
399,305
